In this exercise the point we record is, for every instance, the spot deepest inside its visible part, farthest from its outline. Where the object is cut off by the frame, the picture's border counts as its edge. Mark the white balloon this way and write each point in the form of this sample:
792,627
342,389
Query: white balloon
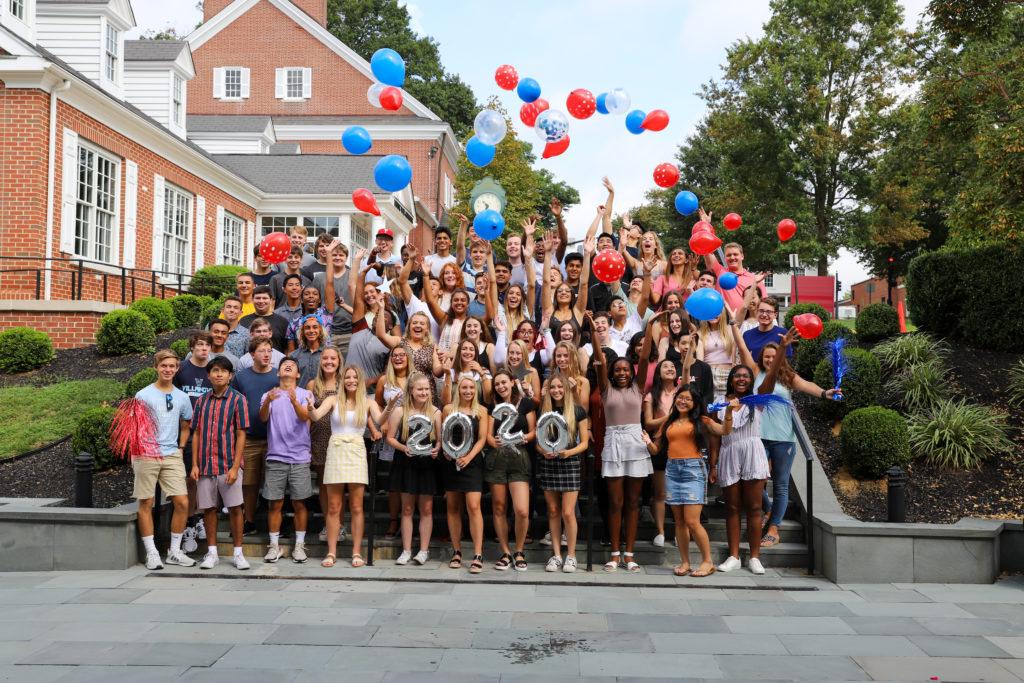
490,126
551,126
617,101
373,94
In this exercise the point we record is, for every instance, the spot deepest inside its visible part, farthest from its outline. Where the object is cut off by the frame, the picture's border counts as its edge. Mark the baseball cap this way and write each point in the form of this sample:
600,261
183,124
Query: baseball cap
386,232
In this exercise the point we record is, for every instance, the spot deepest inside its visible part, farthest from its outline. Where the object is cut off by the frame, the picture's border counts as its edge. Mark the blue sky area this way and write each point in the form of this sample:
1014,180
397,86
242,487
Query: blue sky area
660,51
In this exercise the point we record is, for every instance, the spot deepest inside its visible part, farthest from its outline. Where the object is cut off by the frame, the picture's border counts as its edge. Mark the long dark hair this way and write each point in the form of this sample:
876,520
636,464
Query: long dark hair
658,386
729,390
694,416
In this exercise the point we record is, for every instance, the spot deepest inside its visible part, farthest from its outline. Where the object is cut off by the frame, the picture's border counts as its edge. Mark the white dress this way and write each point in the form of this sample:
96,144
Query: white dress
742,456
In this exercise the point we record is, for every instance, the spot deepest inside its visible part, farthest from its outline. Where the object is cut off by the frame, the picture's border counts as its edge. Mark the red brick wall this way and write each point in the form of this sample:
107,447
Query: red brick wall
861,298
66,330
314,8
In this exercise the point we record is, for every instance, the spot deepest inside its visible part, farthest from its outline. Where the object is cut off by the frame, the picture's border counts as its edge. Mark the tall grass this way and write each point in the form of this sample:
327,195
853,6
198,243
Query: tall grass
1017,384
910,349
958,435
919,386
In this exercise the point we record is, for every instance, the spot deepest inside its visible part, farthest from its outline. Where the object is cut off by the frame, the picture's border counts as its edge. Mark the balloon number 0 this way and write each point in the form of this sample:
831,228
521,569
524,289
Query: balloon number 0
419,435
552,432
456,435
505,415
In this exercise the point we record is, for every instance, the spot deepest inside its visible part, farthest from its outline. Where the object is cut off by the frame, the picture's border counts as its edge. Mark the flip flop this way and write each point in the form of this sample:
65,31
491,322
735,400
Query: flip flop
698,575
767,541
687,572
357,560
328,561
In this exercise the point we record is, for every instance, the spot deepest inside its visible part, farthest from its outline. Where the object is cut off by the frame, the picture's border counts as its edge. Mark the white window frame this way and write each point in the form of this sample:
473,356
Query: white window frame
288,88
176,232
17,9
361,235
232,239
111,52
277,223
228,71
177,100
769,280
289,84
87,240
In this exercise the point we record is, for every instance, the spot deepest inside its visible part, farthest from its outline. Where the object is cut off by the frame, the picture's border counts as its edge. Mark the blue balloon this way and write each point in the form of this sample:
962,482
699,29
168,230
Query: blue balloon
528,90
479,153
488,224
728,280
686,202
392,173
356,140
388,67
601,106
705,304
635,121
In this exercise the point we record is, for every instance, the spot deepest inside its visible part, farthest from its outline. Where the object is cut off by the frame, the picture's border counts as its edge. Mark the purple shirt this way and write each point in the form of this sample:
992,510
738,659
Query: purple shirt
287,435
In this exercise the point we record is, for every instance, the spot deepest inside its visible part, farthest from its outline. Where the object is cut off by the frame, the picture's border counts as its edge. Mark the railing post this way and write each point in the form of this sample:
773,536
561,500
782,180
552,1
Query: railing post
153,286
83,480
124,286
39,284
81,278
179,283
74,288
373,450
104,287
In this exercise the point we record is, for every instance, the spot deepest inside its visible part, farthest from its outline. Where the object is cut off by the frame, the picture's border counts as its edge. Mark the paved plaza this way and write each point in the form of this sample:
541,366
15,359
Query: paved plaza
288,622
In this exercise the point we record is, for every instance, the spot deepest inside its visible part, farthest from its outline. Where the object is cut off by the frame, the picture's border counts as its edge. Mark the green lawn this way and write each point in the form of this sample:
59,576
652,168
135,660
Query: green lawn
850,323
33,416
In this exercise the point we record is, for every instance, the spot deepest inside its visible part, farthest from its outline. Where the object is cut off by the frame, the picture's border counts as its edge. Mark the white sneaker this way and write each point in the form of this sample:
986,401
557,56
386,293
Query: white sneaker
755,566
188,540
299,553
659,541
546,541
342,534
570,565
323,535
181,559
200,530
209,562
273,553
554,564
730,564
404,558
421,557
240,562
153,561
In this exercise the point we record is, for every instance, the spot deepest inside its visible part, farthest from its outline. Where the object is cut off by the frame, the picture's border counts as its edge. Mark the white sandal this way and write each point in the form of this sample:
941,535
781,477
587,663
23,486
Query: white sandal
631,566
612,564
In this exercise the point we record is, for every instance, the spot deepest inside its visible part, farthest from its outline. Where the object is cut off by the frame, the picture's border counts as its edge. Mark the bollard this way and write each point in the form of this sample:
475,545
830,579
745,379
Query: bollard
897,495
83,480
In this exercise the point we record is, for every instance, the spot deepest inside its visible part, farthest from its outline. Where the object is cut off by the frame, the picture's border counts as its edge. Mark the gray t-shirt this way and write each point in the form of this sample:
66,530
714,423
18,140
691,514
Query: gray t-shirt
342,321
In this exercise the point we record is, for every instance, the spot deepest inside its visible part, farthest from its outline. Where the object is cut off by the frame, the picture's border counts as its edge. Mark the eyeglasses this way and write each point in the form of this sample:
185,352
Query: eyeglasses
169,399
762,311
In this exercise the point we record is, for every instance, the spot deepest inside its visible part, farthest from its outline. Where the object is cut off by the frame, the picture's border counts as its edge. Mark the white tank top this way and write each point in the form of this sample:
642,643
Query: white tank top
346,425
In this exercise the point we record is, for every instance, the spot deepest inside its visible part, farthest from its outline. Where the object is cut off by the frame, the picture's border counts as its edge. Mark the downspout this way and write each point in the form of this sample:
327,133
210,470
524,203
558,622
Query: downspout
437,185
50,173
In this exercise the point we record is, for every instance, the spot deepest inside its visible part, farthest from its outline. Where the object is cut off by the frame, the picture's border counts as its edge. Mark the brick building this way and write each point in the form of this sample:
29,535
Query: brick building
184,153
876,291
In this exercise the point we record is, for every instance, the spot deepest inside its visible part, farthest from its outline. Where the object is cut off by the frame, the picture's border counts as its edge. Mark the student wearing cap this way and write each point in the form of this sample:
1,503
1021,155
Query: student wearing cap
382,253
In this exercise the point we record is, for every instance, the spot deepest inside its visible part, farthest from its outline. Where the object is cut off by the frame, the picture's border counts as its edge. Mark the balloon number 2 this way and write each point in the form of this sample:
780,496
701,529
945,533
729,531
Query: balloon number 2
419,435
552,432
456,435
505,415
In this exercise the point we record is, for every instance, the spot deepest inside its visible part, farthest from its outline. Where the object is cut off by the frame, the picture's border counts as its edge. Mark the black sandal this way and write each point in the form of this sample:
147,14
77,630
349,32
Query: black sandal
456,561
504,562
477,565
520,561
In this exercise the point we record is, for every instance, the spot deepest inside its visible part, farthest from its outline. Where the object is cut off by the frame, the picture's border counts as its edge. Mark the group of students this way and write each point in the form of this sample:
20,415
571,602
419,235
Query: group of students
315,367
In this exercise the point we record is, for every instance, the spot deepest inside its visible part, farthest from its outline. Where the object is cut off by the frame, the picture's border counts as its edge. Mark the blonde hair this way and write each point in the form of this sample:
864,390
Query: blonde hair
164,354
303,343
428,339
574,360
298,230
389,374
522,347
409,405
320,381
359,400
568,402
659,251
514,317
457,399
705,332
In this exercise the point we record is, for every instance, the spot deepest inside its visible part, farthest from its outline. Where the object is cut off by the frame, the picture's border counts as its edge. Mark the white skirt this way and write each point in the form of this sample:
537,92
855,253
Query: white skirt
624,453
346,460
742,460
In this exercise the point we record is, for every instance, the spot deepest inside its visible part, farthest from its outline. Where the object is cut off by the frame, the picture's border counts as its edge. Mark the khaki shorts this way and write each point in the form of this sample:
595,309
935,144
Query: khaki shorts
168,471
254,455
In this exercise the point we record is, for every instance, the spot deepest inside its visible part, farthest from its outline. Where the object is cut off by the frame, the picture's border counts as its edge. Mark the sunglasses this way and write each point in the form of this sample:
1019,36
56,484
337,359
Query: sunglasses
169,399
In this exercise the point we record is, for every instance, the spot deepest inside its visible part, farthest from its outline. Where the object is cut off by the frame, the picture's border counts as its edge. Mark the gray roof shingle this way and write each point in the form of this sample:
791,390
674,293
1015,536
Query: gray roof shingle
331,174
285,148
153,50
213,123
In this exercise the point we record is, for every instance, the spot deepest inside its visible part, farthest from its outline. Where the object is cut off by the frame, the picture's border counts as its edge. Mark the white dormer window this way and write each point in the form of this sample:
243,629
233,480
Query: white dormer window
294,83
231,83
111,53
17,8
178,101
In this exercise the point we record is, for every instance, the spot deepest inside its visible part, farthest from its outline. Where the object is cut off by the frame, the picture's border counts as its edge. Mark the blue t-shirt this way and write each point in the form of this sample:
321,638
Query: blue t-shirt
253,385
193,380
169,412
757,340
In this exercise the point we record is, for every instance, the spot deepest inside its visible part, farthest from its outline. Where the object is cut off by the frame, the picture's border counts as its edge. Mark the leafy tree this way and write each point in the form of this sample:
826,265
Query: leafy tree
368,25
547,187
168,33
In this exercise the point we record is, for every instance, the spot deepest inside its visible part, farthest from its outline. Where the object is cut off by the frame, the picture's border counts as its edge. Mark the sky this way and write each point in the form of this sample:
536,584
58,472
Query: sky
659,51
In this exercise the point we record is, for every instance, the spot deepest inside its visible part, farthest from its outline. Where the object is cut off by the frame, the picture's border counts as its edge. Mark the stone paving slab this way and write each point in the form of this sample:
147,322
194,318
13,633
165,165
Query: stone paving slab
966,670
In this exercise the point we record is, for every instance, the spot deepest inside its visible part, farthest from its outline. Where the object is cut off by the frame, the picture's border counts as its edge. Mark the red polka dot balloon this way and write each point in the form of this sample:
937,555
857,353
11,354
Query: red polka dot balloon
666,175
581,103
609,266
275,247
529,112
506,77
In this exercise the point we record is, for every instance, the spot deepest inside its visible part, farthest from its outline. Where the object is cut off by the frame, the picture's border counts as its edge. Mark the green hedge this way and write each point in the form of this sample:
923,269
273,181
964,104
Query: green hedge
23,349
188,309
140,380
125,331
215,280
159,311
860,386
797,309
874,439
180,347
211,310
809,352
877,322
970,295
92,435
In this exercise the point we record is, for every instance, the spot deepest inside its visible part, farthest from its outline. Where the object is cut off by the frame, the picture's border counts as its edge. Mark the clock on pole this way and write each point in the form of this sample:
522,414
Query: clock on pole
487,193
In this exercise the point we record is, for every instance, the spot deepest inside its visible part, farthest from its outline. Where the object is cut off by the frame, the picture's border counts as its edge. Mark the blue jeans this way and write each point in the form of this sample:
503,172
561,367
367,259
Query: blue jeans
780,455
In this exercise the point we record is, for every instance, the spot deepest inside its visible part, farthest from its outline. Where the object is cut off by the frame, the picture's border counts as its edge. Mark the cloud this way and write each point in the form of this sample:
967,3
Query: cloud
415,16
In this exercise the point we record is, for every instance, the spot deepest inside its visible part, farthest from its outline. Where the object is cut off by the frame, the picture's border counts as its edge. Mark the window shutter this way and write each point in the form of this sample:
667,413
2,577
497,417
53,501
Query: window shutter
218,82
200,232
69,187
307,82
158,221
131,211
279,83
245,83
219,227
250,258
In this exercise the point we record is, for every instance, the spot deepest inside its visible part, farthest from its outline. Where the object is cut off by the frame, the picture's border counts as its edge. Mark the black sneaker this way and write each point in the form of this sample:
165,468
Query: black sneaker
249,529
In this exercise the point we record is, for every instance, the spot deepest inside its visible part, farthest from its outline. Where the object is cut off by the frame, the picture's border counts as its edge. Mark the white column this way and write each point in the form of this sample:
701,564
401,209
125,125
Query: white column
345,234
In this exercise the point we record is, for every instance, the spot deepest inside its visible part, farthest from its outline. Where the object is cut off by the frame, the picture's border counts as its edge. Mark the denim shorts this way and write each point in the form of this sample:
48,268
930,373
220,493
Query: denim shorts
686,481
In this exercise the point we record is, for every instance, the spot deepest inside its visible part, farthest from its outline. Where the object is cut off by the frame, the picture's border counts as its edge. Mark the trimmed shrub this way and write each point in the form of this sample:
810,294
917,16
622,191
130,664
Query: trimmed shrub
92,435
125,331
1017,384
188,309
809,352
910,349
860,385
159,311
180,347
211,311
877,322
23,349
958,435
140,380
873,440
215,280
797,309
919,387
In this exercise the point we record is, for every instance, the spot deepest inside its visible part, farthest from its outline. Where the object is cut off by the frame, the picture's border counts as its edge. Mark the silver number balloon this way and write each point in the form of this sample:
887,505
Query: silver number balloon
552,432
419,435
505,414
454,423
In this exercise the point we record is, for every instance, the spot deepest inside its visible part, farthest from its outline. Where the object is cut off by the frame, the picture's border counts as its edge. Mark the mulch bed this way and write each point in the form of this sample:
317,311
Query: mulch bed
935,495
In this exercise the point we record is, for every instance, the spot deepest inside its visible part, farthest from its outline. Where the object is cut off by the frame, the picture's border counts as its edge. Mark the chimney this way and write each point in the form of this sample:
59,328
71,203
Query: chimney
212,8
314,8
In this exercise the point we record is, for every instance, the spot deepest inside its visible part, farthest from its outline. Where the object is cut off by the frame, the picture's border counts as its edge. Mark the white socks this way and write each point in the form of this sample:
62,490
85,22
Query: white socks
300,536
275,537
175,544
148,544
238,551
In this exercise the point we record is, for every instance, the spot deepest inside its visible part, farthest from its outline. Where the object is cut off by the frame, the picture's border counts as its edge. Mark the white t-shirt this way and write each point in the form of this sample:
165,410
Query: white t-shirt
372,276
632,326
619,347
435,263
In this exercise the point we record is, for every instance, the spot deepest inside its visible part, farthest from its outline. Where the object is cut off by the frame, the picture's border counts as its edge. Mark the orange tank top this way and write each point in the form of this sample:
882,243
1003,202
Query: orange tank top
682,440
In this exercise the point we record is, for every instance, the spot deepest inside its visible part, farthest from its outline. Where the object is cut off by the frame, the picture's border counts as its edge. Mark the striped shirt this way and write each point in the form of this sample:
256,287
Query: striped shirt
217,418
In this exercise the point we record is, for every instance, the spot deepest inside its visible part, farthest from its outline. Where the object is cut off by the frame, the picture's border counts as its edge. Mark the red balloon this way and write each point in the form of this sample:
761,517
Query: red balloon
786,229
581,103
702,226
609,266
391,98
506,77
655,120
365,201
275,247
732,221
553,149
666,175
704,243
529,112
808,325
